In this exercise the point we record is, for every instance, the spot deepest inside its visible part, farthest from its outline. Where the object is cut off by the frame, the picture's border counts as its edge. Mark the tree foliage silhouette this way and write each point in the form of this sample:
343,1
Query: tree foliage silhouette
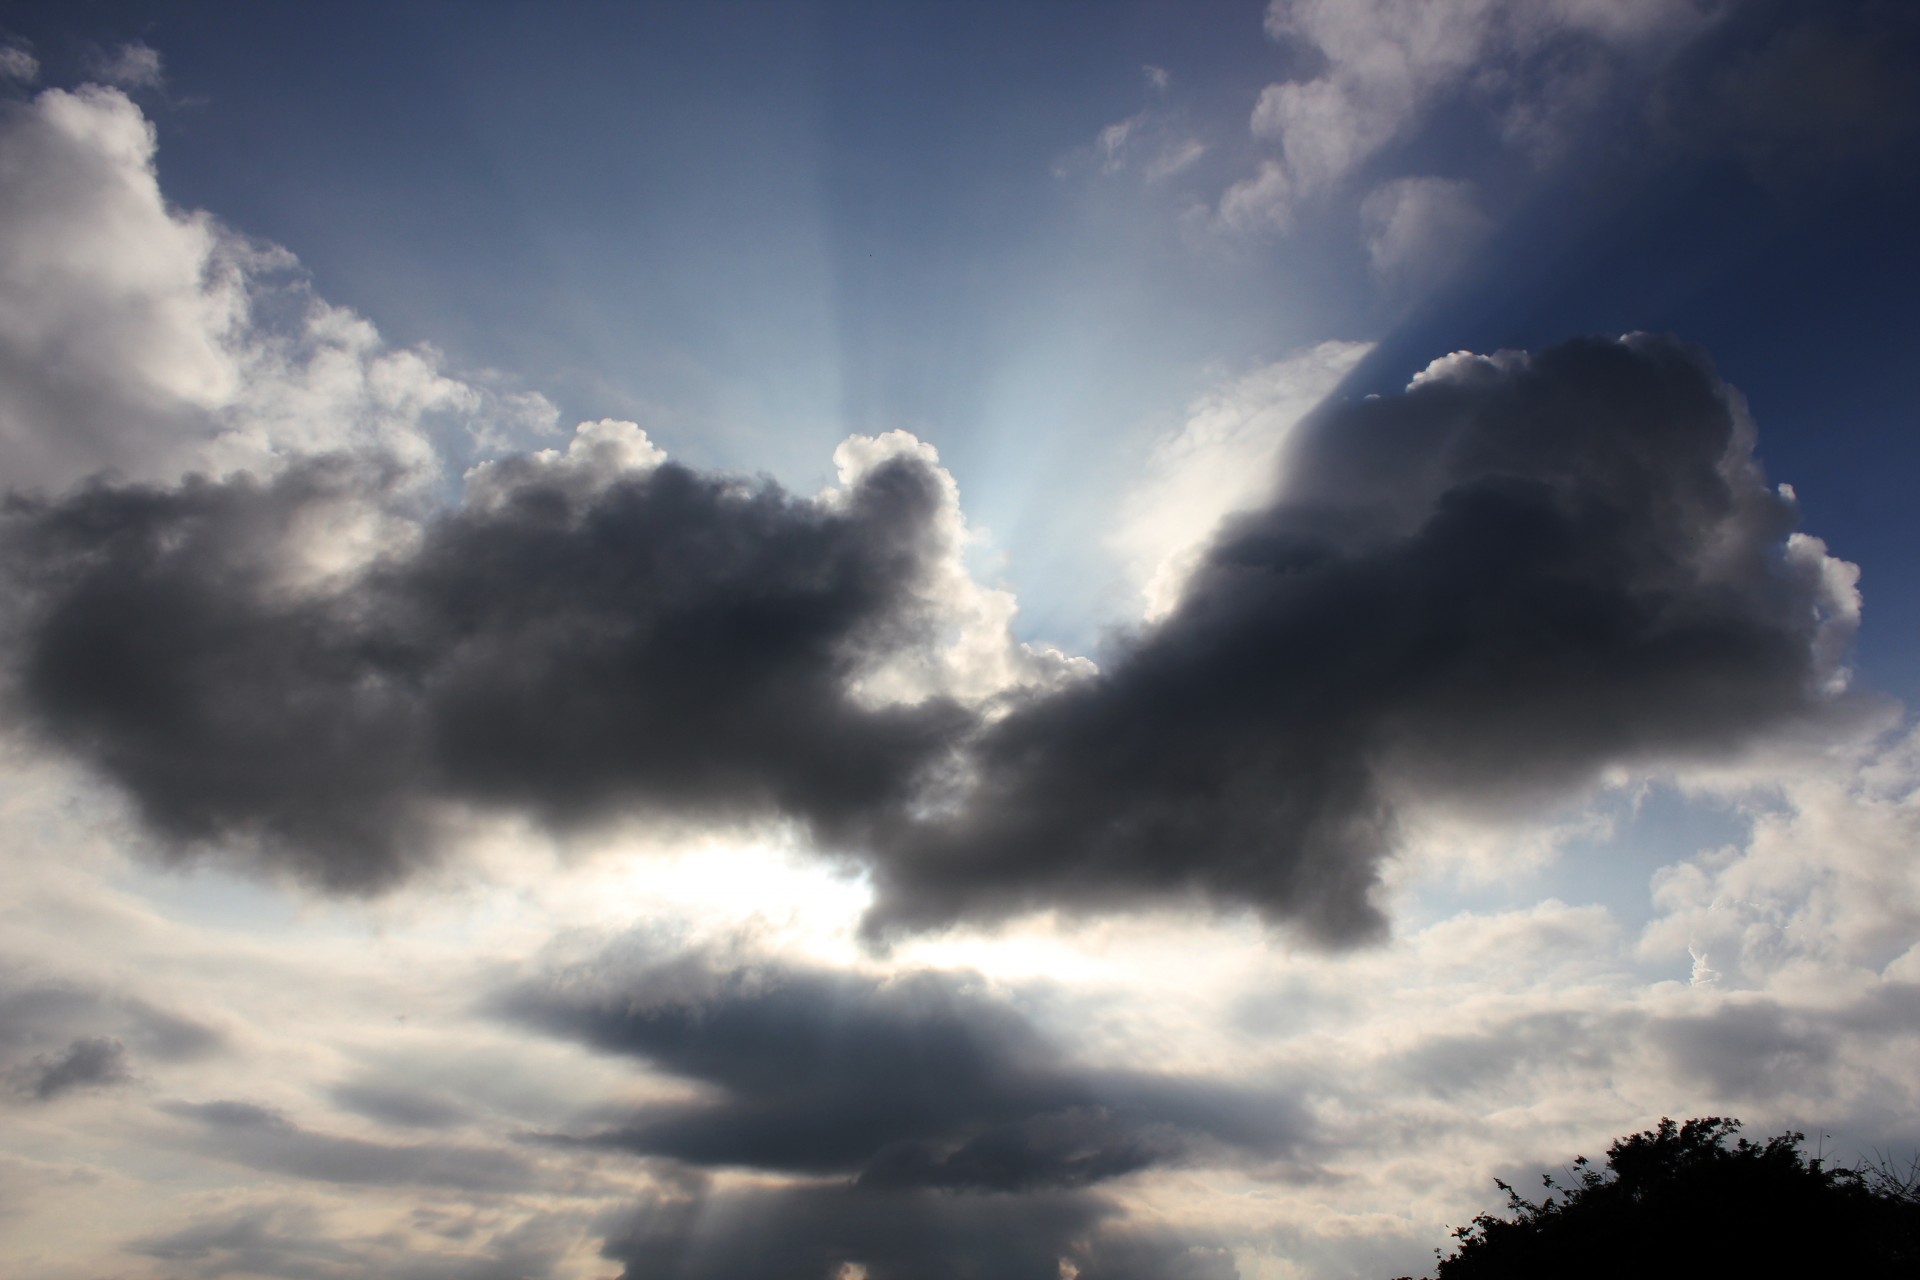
1691,1200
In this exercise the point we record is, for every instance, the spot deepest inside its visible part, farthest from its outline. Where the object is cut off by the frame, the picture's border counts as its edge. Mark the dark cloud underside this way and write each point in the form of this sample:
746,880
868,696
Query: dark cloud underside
807,1233
1522,570
668,641
918,1080
1488,589
925,1127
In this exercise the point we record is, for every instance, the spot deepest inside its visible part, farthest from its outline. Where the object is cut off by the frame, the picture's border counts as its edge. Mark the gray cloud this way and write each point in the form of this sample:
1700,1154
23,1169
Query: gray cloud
1486,590
287,1240
928,1128
89,1062
58,1038
1755,1049
917,1080
669,641
397,1105
264,1139
1801,90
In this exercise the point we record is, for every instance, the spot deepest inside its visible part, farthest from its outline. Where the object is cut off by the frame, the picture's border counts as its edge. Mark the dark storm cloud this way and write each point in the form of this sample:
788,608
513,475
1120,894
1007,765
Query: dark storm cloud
261,1138
1485,590
918,1080
805,1233
573,648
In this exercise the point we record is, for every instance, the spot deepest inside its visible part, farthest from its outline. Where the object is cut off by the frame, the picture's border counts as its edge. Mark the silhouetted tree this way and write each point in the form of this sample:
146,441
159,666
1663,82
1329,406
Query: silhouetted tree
1682,1200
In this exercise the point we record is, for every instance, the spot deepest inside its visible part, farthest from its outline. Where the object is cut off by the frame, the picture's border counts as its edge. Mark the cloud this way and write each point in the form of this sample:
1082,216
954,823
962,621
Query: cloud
149,342
18,64
1520,572
572,641
1262,202
954,1138
1382,65
917,1079
264,1139
131,66
59,1037
809,1232
1224,458
87,1063
1795,99
292,1240
1154,141
1487,590
1419,231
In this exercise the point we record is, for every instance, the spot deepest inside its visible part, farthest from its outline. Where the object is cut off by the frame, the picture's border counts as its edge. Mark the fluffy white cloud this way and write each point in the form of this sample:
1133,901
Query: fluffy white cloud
144,341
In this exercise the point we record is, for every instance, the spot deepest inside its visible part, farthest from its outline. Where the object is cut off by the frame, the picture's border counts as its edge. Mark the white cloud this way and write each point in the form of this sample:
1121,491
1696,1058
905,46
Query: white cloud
1151,141
18,65
1385,63
1223,459
137,339
1419,231
131,66
972,655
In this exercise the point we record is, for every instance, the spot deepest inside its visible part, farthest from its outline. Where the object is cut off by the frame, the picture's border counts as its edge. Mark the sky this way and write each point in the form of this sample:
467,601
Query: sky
862,641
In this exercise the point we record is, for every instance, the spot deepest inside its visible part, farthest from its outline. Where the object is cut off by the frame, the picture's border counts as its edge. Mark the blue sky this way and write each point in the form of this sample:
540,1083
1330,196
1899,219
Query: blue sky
948,535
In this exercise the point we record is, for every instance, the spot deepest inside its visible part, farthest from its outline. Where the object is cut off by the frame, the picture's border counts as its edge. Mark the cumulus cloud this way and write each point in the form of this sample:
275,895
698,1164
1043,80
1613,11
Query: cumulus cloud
148,342
1520,572
1835,88
573,642
1261,202
1488,589
1382,65
1385,62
